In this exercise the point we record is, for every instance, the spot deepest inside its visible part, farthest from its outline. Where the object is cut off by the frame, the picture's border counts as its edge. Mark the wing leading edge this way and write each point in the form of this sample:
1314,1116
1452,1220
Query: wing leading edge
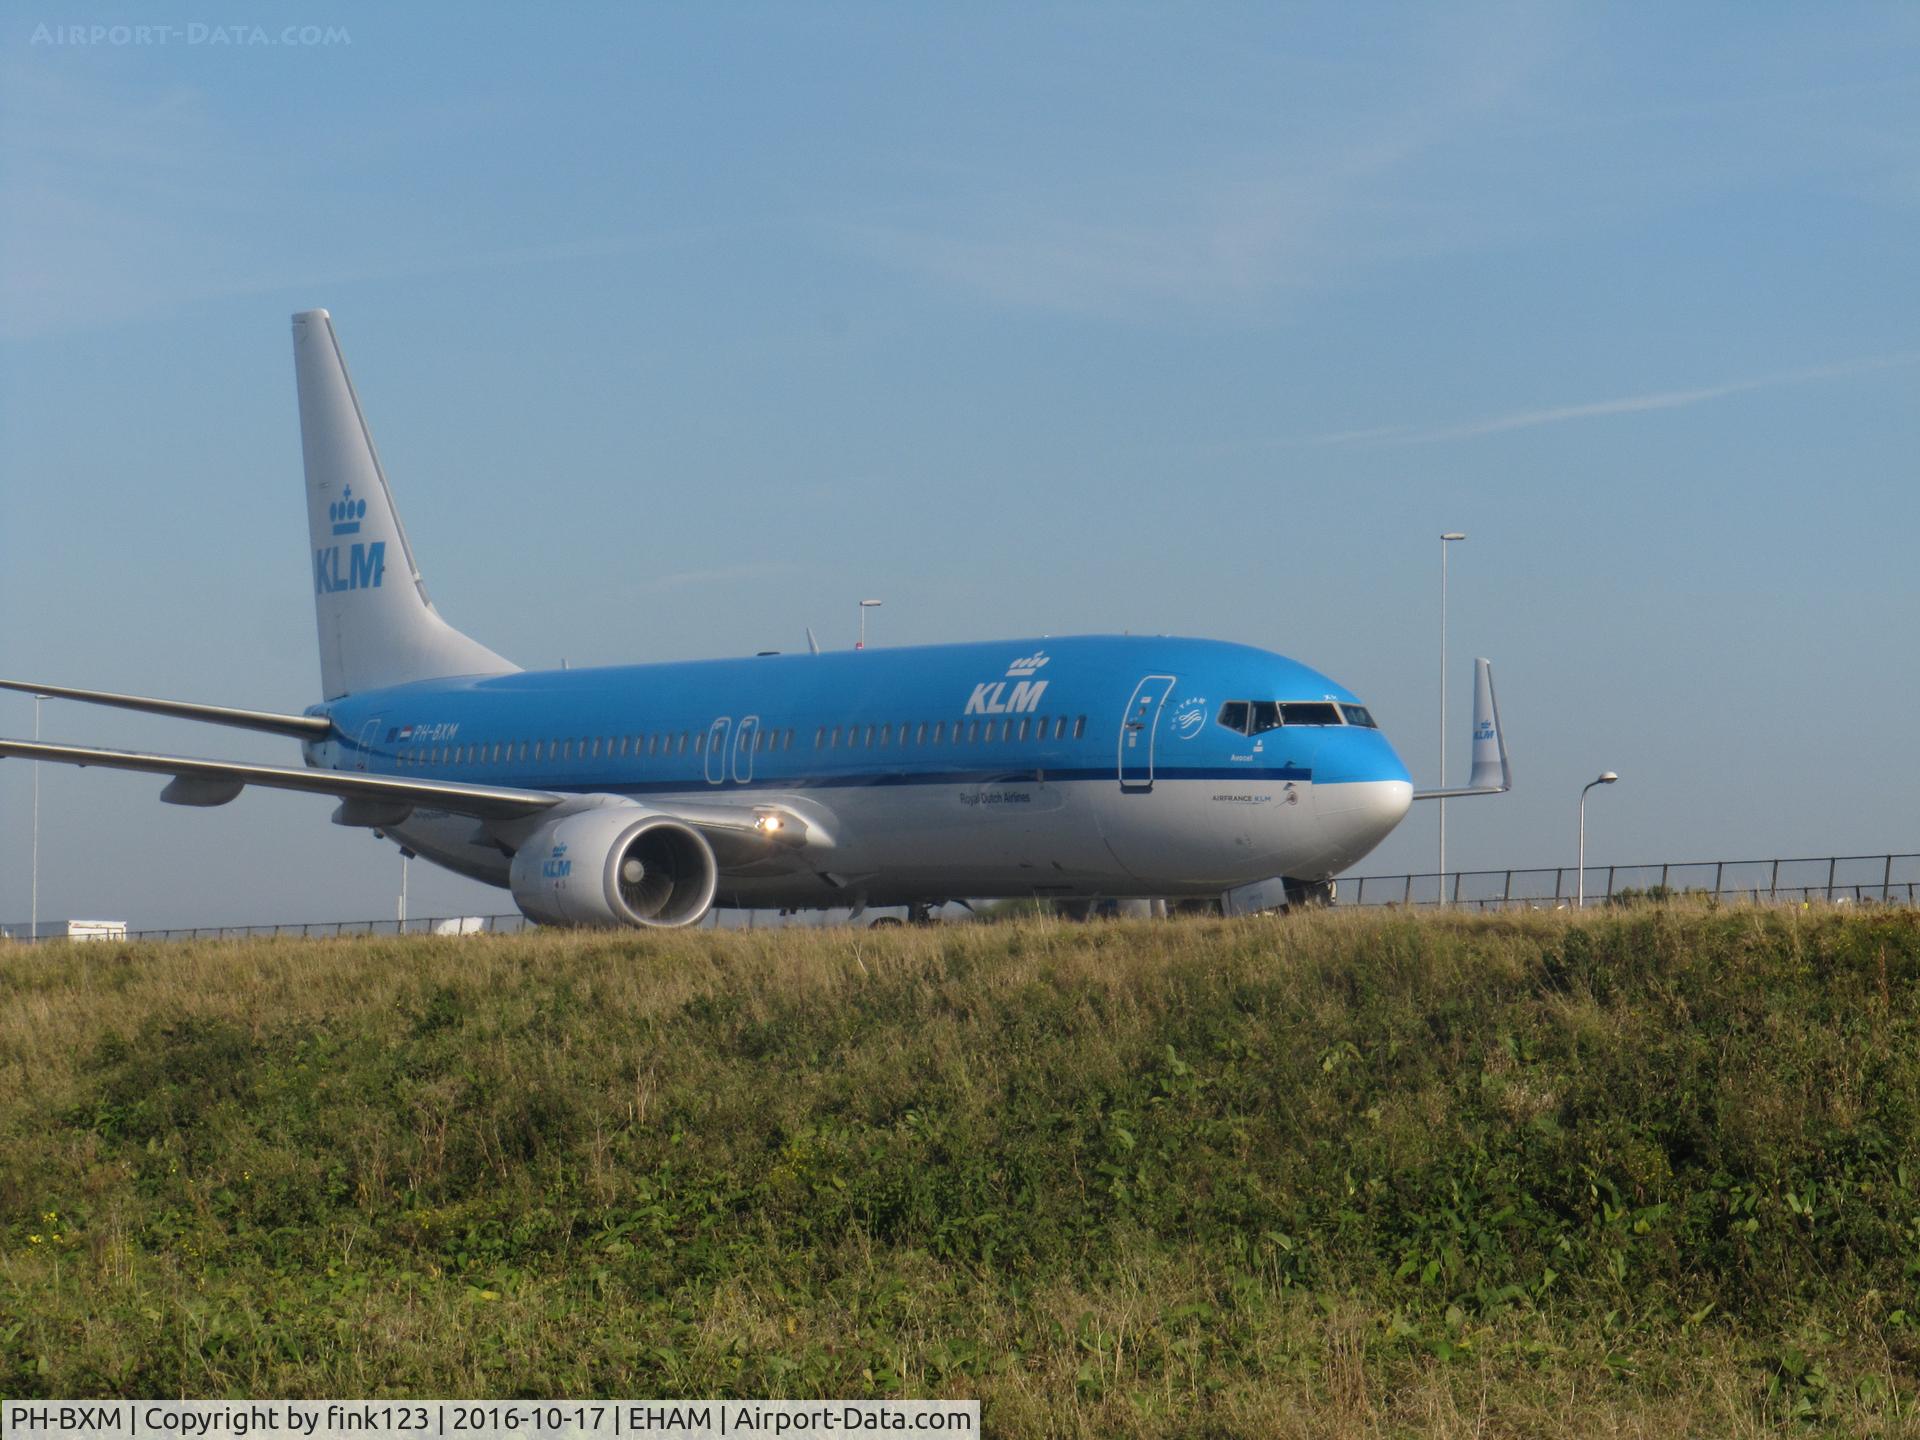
300,727
742,834
214,782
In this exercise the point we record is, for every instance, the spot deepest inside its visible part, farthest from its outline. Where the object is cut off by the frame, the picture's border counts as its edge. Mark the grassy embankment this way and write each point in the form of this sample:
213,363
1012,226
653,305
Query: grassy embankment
1649,1172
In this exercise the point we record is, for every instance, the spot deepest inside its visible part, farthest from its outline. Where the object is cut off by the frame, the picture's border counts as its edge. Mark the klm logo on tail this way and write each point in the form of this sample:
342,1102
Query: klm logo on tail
364,566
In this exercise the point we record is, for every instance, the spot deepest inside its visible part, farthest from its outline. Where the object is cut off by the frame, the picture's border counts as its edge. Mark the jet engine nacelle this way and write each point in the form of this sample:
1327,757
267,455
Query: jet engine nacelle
614,866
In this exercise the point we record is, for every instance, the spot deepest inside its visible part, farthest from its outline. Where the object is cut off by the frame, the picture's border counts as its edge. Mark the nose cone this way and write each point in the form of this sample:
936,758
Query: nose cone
1357,815
1361,791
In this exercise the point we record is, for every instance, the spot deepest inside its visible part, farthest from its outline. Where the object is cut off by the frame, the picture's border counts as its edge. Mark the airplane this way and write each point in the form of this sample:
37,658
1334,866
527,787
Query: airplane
1077,769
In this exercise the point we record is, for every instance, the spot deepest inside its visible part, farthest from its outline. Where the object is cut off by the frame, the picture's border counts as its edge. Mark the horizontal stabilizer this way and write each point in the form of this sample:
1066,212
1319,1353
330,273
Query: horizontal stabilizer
301,727
1491,774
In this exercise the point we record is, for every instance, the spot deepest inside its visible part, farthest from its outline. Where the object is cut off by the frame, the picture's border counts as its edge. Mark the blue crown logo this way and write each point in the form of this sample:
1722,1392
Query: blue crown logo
346,513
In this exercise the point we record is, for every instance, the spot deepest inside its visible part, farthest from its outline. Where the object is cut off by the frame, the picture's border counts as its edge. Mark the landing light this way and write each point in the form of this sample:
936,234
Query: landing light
769,823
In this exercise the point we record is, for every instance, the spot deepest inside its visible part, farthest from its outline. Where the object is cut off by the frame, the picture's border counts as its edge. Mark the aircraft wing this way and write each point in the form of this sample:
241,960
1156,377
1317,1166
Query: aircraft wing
215,782
741,834
1491,774
301,727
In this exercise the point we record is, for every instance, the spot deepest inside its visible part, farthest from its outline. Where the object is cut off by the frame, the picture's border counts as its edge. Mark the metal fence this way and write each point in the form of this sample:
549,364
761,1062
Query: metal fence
1834,879
317,929
1830,879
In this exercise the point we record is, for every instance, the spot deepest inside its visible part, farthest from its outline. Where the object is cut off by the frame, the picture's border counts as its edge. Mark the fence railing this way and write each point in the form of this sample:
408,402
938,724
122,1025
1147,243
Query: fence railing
318,929
1855,879
1833,879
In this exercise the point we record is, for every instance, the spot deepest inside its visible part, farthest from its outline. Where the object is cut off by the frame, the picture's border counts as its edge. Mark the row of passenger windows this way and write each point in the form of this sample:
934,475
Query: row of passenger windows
968,732
589,747
766,740
1250,717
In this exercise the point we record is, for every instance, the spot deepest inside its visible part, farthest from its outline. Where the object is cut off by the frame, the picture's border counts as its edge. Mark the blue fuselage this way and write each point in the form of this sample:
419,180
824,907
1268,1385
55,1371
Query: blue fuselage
1085,765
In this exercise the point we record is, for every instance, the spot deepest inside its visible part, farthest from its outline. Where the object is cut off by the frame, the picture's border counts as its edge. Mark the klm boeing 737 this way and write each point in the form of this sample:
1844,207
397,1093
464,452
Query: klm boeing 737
1076,769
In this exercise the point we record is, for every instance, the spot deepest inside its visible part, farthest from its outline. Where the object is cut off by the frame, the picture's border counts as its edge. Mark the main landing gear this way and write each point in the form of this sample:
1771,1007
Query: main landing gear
919,912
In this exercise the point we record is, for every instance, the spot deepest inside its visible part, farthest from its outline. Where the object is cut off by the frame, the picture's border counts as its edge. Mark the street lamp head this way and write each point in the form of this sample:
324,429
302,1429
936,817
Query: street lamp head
1607,777
869,604
1454,535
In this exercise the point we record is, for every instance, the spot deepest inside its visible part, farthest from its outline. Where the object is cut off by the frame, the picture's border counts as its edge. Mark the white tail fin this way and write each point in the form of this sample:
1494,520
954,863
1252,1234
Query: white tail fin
1491,773
377,627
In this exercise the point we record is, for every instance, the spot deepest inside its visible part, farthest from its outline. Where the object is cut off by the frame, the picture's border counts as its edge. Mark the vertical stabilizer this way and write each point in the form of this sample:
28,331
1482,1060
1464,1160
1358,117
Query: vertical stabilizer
377,627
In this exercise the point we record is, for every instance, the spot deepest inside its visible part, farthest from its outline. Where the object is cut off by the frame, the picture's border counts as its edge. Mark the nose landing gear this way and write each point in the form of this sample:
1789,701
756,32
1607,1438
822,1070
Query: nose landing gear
1308,894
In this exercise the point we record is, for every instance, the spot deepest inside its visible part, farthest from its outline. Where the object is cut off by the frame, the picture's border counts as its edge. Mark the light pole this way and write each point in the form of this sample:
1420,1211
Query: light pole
405,856
1607,777
33,904
865,605
1445,540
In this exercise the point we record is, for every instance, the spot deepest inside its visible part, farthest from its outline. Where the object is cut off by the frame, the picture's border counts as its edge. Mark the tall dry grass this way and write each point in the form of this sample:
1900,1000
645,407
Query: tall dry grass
1346,1174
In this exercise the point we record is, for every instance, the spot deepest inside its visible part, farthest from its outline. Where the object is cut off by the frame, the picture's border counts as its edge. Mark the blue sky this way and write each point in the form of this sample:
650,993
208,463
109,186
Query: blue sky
684,327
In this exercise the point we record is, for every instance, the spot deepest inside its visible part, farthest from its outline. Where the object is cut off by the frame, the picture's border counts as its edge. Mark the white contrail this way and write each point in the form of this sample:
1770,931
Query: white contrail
1624,405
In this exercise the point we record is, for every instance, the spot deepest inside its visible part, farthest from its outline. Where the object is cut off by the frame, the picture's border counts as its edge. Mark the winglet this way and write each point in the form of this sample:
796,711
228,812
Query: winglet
1490,768
1491,774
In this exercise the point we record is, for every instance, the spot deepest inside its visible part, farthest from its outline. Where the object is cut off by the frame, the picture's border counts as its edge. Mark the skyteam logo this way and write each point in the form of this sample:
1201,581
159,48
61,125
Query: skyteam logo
1190,717
346,513
995,697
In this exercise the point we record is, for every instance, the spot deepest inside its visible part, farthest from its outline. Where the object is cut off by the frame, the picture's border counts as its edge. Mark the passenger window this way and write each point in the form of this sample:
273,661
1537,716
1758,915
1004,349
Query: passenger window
1309,712
699,743
939,732
1023,728
833,738
1079,727
973,731
820,738
789,744
886,734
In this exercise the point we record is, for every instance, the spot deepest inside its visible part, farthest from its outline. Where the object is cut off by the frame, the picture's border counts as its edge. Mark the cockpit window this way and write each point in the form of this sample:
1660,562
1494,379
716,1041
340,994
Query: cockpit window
1309,712
1252,717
